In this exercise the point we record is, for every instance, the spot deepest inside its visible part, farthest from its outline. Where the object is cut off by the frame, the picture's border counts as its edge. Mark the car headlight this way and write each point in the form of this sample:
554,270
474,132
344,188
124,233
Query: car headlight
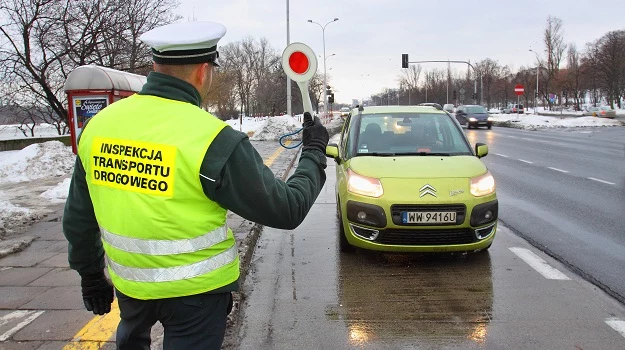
362,185
472,119
490,119
483,185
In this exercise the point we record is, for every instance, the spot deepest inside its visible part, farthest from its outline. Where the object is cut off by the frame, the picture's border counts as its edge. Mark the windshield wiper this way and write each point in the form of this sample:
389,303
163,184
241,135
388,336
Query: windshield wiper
379,154
424,154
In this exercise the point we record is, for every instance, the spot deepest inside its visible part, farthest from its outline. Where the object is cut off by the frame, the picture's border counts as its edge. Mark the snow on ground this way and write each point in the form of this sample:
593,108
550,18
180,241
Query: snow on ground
533,121
31,180
13,132
39,160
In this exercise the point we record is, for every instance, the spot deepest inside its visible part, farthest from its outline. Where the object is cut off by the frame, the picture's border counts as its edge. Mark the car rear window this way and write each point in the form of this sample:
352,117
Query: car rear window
406,133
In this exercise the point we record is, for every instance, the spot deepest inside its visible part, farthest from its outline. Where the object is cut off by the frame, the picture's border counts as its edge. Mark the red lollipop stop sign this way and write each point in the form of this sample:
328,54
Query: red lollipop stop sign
300,64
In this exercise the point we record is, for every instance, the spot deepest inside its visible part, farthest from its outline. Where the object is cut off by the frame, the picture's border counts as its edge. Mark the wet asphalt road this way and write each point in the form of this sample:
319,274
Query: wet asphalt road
302,293
564,190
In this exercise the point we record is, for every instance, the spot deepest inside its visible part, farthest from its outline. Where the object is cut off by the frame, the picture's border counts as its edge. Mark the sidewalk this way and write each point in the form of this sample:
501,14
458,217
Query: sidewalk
40,302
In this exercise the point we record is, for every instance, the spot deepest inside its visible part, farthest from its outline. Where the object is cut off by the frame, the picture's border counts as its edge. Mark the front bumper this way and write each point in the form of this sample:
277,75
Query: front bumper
369,226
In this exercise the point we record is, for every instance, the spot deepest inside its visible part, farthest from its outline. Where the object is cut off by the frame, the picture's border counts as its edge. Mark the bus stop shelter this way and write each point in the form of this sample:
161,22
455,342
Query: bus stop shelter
91,88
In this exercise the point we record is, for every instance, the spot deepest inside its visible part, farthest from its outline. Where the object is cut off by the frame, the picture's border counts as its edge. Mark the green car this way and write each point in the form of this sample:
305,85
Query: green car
407,180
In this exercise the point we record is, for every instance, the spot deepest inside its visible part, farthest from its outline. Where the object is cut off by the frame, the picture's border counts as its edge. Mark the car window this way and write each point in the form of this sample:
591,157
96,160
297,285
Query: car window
476,109
406,133
606,108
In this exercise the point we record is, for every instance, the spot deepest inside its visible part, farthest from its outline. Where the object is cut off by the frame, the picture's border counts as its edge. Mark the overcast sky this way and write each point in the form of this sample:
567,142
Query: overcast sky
370,35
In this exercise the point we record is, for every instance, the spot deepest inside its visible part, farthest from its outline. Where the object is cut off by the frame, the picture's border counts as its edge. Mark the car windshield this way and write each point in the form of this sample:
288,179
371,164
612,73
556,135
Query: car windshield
400,134
606,108
344,109
476,109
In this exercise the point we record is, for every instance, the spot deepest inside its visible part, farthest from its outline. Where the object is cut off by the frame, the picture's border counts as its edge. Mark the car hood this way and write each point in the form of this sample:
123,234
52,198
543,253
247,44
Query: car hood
404,167
478,115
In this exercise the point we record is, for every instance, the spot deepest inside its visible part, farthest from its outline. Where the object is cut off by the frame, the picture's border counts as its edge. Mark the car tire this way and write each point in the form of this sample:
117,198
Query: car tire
490,127
344,245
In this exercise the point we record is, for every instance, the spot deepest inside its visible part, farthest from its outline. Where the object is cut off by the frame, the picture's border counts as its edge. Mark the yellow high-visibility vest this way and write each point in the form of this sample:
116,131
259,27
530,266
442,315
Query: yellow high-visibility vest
162,236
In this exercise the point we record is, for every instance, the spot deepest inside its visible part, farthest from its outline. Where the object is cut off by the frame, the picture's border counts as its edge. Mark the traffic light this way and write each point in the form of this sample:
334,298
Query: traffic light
564,93
454,94
404,60
536,94
475,95
331,98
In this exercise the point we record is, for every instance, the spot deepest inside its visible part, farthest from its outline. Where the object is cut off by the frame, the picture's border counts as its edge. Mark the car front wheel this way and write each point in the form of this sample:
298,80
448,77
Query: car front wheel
344,245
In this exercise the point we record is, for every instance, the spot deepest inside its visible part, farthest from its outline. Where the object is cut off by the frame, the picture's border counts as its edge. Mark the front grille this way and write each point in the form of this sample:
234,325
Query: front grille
397,209
425,237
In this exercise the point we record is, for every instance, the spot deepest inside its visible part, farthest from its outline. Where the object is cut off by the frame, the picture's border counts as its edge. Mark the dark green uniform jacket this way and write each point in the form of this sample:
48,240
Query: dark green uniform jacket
242,184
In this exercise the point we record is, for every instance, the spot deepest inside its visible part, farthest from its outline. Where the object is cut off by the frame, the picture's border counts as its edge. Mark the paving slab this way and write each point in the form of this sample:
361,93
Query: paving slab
21,276
55,325
49,246
26,258
26,345
14,297
58,277
58,260
57,298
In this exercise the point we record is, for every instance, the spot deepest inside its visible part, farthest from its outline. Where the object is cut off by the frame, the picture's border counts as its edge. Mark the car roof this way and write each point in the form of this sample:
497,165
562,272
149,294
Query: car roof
400,109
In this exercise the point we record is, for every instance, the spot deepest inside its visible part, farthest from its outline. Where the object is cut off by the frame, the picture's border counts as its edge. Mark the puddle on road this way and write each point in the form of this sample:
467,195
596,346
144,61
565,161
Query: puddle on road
406,298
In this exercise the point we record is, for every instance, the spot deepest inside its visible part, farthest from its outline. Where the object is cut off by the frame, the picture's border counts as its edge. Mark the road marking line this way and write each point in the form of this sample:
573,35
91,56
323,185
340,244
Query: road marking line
32,315
96,332
556,169
275,154
526,161
602,181
501,155
528,139
616,324
6,268
539,264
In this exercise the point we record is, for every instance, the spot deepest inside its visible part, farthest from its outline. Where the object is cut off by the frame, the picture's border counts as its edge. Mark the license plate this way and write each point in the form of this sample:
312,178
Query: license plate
428,217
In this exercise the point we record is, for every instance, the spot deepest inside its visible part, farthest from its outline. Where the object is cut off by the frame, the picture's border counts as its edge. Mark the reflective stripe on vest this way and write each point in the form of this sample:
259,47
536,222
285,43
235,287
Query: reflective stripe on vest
177,273
165,247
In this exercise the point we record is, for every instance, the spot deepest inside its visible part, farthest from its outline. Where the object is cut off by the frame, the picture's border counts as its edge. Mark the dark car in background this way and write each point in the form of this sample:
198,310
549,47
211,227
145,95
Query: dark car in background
473,116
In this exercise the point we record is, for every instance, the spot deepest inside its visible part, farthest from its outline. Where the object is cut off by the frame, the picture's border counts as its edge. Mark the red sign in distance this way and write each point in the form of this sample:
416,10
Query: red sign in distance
299,62
519,89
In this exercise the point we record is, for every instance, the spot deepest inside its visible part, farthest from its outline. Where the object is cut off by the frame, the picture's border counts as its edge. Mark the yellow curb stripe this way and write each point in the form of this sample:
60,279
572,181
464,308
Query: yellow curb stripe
275,154
97,332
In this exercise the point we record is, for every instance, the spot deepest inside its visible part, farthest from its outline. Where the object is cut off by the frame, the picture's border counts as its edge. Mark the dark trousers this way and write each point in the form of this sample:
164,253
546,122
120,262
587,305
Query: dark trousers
192,322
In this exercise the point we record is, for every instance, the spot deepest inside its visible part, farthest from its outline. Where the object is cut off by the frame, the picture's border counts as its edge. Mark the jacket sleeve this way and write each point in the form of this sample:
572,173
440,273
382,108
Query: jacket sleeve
234,175
80,227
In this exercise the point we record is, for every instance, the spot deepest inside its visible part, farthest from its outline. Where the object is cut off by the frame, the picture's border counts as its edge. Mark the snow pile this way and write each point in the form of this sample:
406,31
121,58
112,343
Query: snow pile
531,121
275,127
12,216
59,193
37,161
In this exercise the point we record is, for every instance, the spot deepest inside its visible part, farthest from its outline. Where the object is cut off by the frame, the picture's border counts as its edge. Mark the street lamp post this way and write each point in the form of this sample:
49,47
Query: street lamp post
325,83
536,92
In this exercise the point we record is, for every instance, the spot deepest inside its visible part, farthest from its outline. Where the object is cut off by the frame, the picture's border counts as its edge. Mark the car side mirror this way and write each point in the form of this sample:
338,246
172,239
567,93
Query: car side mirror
481,150
332,151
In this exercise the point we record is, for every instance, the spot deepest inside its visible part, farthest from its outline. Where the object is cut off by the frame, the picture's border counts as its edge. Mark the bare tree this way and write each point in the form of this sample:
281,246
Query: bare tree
47,39
554,49
410,79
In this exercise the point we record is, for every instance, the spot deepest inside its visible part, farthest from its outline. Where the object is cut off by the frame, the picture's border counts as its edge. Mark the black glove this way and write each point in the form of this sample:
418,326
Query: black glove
97,293
315,135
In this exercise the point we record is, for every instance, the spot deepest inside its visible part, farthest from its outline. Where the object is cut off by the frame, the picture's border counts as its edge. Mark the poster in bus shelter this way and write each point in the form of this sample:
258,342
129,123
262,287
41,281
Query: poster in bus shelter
87,107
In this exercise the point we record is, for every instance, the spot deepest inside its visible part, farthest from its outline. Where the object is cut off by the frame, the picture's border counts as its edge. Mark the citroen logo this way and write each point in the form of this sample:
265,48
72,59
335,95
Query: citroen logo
427,189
